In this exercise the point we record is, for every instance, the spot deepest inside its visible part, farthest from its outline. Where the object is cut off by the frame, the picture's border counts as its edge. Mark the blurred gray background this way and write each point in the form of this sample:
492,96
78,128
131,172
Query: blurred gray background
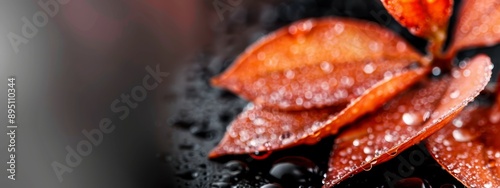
70,71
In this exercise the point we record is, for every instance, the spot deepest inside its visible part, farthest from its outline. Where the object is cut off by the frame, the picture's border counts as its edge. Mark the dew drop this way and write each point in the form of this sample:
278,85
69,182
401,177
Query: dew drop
394,152
388,74
306,26
436,71
369,68
299,101
260,155
308,95
426,116
379,152
409,119
367,150
325,86
374,46
285,135
354,157
461,135
368,158
458,123
455,74
466,73
446,143
389,138
286,172
260,130
367,166
455,94
292,30
355,142
347,81
339,28
286,138
456,170
401,46
342,153
244,136
494,117
235,167
259,121
488,185
327,67
188,175
289,74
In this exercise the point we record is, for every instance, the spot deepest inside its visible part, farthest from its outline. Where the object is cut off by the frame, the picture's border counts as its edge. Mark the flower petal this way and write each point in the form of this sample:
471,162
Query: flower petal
478,24
259,129
316,63
469,148
423,18
406,120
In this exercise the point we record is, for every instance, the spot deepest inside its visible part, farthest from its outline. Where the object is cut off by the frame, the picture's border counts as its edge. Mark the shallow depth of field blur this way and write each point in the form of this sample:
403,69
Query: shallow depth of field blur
91,52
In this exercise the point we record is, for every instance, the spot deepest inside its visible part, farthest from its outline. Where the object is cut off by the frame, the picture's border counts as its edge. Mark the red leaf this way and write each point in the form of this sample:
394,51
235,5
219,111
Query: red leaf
406,120
469,148
258,129
317,63
478,25
424,18
494,114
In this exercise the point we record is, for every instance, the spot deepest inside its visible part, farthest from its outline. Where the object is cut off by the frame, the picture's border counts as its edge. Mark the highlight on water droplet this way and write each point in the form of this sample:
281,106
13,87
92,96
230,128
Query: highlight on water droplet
339,28
455,94
458,123
436,71
326,66
367,150
463,135
355,142
369,68
409,119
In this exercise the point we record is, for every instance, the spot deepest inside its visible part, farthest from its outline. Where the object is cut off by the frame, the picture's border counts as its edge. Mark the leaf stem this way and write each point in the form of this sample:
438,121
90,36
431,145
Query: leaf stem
435,50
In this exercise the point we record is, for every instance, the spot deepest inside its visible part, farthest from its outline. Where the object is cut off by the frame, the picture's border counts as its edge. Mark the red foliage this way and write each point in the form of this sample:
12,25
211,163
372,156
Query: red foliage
311,78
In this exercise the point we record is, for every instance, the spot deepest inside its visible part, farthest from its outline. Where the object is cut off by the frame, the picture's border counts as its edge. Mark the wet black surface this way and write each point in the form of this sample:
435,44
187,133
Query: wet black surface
202,113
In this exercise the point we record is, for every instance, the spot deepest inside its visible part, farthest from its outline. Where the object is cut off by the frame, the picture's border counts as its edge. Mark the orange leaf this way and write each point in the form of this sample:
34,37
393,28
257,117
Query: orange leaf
478,25
406,120
494,113
424,18
469,148
258,129
317,63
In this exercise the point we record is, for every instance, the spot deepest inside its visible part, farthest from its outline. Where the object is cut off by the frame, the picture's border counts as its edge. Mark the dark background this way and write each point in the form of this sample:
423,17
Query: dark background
93,51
